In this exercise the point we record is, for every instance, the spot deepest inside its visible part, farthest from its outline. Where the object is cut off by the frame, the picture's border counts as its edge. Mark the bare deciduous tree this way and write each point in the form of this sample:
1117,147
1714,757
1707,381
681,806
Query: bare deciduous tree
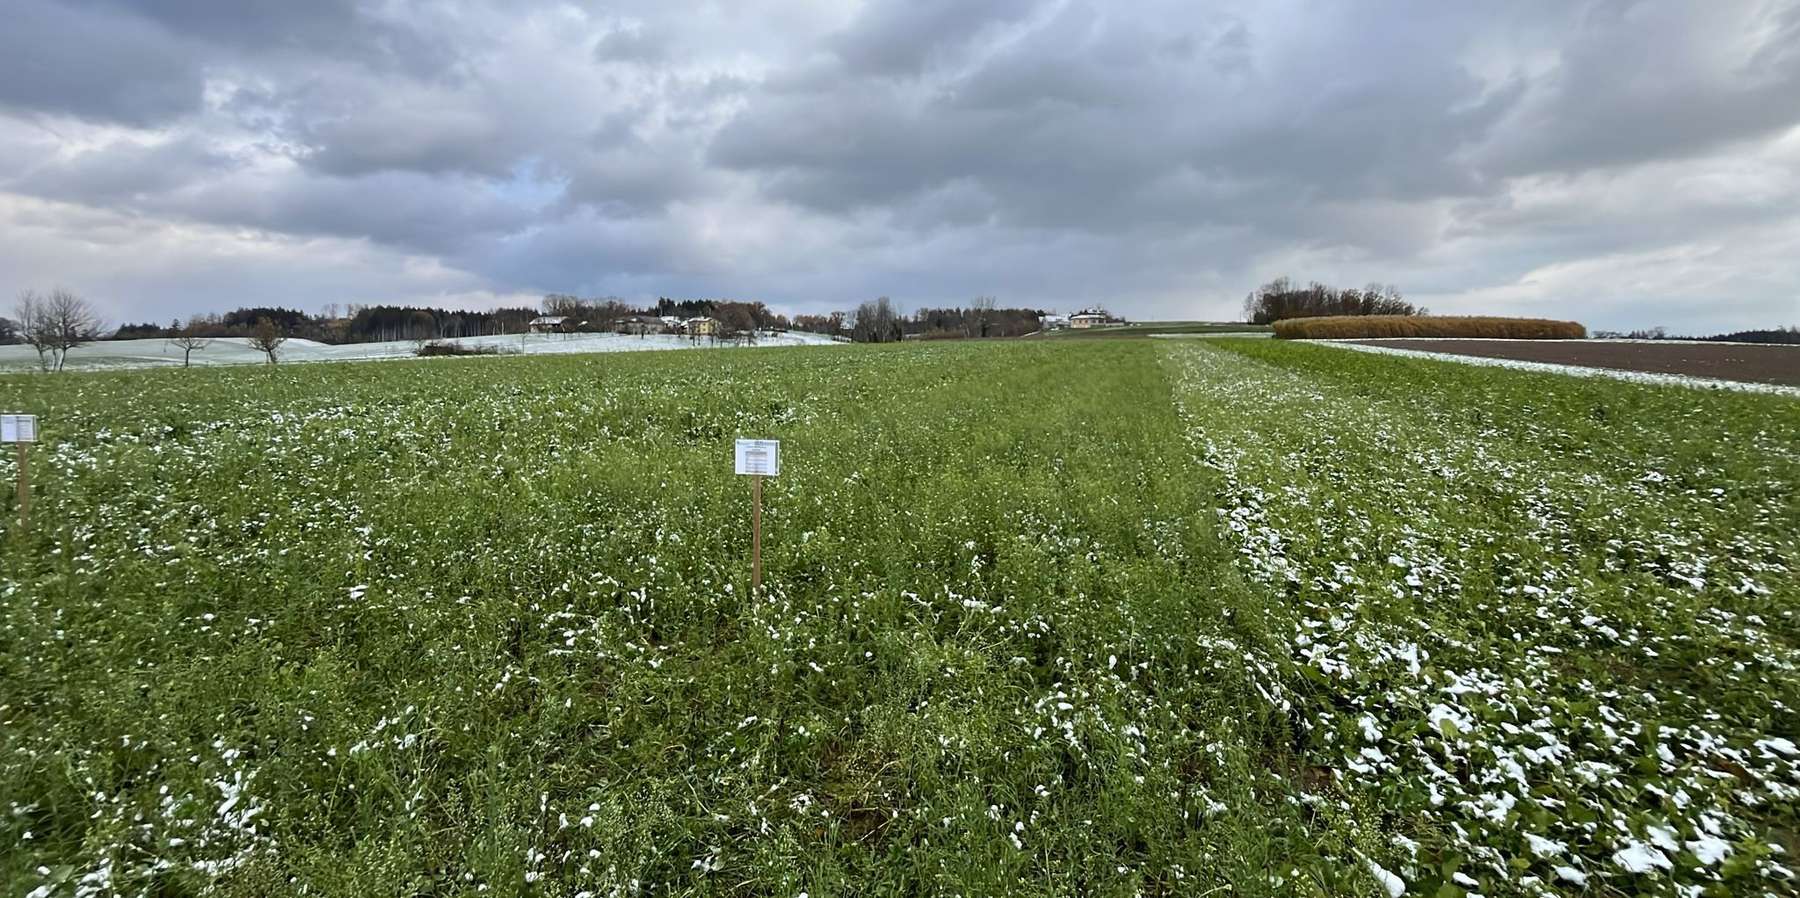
877,322
736,320
30,311
267,338
189,339
981,316
74,322
55,323
1281,299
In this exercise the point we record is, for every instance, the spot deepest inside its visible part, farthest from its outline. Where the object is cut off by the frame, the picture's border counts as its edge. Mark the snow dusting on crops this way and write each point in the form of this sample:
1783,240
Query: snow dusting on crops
1541,642
1050,617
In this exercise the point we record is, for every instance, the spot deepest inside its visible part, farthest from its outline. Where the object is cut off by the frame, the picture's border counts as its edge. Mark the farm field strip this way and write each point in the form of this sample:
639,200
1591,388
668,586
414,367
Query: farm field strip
1045,617
482,627
1542,632
1642,377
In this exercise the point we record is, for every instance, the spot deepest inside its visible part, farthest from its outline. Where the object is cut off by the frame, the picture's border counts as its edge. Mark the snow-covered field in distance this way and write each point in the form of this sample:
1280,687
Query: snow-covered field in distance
159,353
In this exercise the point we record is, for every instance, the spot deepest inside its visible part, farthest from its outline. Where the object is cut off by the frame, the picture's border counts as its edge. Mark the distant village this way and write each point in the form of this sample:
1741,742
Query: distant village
875,321
638,325
707,326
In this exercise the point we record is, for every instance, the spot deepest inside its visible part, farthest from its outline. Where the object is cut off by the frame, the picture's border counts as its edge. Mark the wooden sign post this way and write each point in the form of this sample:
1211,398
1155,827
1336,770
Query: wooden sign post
757,459
21,431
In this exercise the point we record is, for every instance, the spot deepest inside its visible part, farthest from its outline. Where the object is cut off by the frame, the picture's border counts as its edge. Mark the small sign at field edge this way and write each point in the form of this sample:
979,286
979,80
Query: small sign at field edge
18,428
759,457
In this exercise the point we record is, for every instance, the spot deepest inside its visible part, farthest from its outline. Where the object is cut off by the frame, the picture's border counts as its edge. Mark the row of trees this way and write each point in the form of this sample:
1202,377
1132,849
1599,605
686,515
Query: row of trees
383,323
59,321
361,324
1783,335
55,322
1778,335
265,336
1281,299
875,321
982,318
881,321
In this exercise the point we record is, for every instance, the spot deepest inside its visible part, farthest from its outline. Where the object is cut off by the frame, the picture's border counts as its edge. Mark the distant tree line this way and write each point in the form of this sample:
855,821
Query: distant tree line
359,324
878,320
1281,299
387,323
1790,335
614,315
1783,335
982,318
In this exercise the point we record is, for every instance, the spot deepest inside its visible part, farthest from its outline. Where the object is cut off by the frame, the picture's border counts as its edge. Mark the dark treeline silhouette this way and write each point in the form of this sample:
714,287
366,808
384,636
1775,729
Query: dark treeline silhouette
1281,299
1789,335
380,324
881,321
877,321
291,322
973,322
835,323
363,324
1783,335
145,330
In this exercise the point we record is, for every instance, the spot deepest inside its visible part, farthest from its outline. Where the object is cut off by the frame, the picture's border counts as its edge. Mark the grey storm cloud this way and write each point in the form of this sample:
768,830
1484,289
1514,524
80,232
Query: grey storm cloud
1628,163
61,59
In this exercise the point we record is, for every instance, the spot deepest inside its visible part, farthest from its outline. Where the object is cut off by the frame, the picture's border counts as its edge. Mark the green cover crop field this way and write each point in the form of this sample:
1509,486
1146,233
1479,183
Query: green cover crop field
1091,617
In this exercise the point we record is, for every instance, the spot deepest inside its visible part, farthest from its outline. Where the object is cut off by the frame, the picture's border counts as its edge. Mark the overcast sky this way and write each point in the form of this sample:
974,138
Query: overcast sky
1624,164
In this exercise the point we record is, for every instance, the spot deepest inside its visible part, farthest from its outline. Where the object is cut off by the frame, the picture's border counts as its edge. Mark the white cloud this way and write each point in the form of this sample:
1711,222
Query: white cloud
135,269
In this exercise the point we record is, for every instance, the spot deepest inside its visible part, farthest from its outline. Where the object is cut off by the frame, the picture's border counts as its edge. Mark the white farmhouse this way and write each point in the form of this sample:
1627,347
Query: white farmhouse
1087,318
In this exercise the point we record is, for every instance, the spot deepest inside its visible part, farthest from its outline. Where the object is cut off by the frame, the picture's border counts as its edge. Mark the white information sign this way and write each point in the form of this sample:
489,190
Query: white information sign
18,428
759,457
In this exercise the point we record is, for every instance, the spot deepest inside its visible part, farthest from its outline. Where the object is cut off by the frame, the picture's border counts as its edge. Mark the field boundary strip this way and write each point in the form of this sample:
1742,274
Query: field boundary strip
1506,687
1643,377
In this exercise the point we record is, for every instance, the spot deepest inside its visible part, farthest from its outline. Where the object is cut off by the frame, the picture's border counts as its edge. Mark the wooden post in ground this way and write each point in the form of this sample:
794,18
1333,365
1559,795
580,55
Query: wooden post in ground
755,534
24,487
757,459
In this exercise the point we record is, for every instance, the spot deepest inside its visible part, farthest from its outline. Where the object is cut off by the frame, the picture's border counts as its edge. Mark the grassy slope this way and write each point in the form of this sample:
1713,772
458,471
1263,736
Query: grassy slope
1544,628
439,626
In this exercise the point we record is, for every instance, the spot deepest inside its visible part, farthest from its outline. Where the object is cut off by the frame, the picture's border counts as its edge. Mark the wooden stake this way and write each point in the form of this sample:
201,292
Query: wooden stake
24,488
755,533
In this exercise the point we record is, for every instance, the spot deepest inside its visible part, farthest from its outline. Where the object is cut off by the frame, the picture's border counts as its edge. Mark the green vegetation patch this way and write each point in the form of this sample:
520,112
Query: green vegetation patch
1544,628
1099,618
480,625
